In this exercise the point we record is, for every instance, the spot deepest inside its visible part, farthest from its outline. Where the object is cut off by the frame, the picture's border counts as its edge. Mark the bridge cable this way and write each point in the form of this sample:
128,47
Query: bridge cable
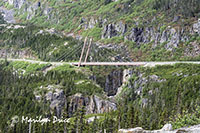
71,53
111,54
125,60
66,54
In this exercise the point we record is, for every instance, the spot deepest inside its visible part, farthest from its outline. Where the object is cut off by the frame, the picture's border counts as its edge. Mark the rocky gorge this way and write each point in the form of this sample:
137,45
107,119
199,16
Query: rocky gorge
100,98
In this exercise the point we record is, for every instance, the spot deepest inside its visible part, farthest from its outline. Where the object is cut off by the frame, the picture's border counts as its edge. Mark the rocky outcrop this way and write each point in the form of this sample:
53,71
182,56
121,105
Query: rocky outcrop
137,85
55,96
141,81
58,102
166,129
127,73
112,30
57,99
93,104
30,8
8,15
17,3
88,24
193,50
169,37
196,27
113,82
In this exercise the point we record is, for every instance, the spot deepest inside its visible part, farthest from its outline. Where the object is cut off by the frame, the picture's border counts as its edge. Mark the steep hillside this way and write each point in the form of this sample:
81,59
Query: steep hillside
33,90
149,29
34,42
94,99
150,98
156,95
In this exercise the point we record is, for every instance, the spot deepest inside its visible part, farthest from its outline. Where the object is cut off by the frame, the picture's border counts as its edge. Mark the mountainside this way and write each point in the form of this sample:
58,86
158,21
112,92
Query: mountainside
150,97
148,29
97,99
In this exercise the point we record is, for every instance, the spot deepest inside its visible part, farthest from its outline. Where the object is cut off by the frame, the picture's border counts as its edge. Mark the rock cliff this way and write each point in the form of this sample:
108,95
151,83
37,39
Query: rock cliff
93,104
169,36
58,102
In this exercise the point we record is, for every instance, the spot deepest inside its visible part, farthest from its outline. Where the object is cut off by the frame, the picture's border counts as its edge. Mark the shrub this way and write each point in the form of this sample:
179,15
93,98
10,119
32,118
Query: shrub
186,119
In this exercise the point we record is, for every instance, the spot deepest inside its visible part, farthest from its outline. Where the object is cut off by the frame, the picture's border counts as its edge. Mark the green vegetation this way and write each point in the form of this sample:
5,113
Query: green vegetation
174,90
167,94
26,68
127,10
95,33
75,16
113,40
185,119
178,8
46,46
18,92
151,97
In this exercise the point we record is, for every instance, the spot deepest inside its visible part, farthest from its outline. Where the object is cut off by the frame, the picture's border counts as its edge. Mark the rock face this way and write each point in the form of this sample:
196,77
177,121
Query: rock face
58,102
57,99
30,8
8,15
166,129
17,3
141,81
112,30
170,37
138,85
113,82
127,73
54,96
196,27
93,104
193,52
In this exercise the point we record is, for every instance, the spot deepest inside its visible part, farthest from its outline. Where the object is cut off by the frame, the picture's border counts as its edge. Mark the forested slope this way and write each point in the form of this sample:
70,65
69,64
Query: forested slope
150,98
148,29
98,99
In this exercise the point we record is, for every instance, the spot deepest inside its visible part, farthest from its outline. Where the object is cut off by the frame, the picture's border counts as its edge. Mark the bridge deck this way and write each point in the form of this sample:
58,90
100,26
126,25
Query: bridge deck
110,63
131,63
145,64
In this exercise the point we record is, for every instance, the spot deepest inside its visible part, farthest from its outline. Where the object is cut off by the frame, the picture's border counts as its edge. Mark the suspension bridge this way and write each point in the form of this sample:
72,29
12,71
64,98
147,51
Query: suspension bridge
118,62
84,54
109,54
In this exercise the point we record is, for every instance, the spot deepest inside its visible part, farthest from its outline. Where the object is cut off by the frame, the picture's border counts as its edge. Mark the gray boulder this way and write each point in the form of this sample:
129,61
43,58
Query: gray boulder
196,27
166,129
